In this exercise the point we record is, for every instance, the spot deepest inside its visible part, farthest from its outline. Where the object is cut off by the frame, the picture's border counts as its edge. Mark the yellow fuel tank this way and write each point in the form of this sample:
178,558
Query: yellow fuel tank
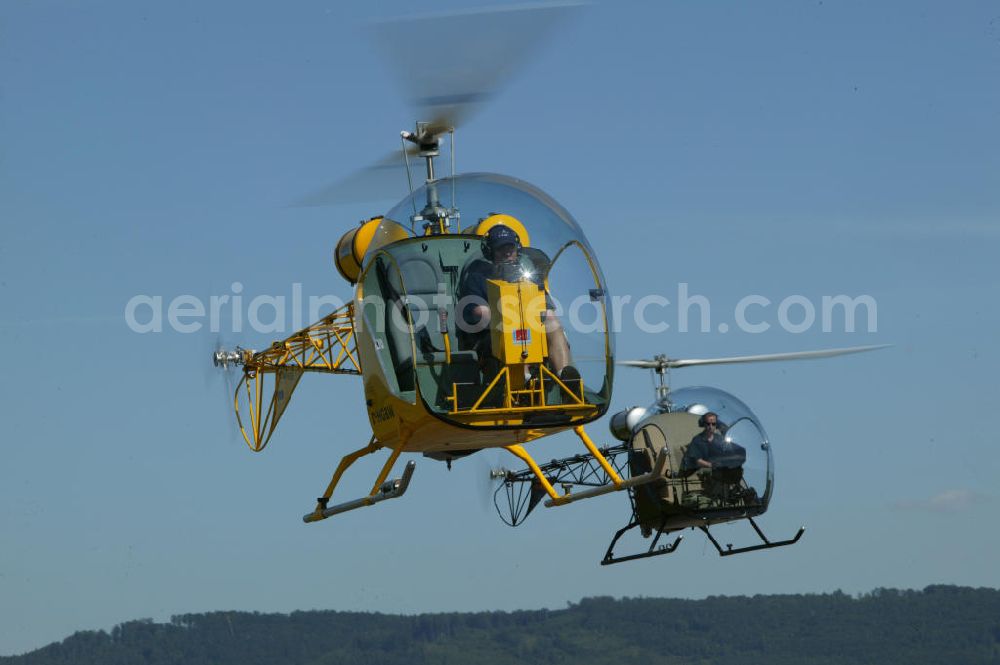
353,245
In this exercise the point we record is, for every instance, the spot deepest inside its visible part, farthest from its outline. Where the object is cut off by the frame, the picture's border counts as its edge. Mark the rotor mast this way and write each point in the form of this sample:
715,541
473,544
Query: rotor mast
436,218
662,374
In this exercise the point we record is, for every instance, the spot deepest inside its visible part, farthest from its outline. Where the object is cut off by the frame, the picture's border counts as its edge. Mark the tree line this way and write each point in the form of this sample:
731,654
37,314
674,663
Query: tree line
939,624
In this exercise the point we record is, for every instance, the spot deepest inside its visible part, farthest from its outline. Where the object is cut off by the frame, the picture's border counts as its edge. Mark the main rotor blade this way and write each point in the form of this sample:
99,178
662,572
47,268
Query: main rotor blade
670,363
383,180
450,64
641,364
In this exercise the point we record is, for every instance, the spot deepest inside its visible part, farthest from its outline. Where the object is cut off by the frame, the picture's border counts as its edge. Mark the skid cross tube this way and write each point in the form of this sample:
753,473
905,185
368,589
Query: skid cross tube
382,490
609,556
766,545
390,489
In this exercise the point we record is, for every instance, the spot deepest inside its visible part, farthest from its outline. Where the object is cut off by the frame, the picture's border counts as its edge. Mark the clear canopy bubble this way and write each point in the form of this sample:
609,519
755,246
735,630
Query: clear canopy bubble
737,422
476,196
418,259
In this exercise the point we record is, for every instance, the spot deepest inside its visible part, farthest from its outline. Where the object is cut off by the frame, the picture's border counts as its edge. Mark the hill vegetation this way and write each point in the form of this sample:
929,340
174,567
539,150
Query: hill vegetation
940,624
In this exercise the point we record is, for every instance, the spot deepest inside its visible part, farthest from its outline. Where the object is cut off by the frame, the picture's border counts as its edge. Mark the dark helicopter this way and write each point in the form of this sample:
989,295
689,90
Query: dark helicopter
703,455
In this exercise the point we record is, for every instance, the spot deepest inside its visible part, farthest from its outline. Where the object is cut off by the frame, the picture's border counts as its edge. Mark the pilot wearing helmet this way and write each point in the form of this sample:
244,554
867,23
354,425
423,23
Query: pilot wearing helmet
504,258
718,460
710,449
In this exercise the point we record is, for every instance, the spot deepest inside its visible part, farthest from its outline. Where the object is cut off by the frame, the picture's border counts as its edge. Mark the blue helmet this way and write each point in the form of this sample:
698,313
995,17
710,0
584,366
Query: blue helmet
498,236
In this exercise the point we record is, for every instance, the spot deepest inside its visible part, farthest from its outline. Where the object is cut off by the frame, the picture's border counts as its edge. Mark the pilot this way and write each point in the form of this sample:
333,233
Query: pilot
710,450
502,250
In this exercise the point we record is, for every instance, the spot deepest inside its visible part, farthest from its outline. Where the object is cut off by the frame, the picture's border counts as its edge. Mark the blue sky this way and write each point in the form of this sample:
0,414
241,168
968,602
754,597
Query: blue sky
772,148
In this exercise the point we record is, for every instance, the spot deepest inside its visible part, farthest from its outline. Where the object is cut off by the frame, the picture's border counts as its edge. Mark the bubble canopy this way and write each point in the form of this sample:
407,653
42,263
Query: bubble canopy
476,196
741,426
428,266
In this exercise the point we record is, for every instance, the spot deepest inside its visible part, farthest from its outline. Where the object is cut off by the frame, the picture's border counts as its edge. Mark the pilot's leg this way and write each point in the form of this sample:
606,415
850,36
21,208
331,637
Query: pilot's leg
559,354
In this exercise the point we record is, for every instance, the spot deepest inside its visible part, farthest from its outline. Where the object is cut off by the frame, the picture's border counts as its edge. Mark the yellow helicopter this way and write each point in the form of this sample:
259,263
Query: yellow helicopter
455,331
454,355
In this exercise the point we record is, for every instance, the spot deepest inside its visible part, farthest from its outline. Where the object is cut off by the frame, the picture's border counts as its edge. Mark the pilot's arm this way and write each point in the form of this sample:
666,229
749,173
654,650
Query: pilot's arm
694,457
477,312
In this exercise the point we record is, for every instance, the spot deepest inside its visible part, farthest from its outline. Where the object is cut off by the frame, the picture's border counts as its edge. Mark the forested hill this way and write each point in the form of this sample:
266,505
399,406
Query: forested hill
940,624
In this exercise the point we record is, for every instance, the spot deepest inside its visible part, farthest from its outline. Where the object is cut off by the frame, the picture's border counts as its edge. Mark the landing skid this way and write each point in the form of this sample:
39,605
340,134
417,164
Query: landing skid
390,489
653,550
766,545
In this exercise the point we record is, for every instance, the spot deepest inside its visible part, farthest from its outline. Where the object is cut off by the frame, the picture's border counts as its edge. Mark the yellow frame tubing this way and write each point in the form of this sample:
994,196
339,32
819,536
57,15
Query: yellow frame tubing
546,370
518,451
259,419
345,462
560,499
504,372
608,469
389,463
255,394
327,346
504,375
447,347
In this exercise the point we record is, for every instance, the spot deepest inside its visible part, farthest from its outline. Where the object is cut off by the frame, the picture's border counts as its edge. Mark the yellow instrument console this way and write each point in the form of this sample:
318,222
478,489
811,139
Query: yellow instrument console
518,334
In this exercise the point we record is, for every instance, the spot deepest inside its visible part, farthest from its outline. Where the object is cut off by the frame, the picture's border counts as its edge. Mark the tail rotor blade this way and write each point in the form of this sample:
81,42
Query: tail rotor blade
489,476
221,379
